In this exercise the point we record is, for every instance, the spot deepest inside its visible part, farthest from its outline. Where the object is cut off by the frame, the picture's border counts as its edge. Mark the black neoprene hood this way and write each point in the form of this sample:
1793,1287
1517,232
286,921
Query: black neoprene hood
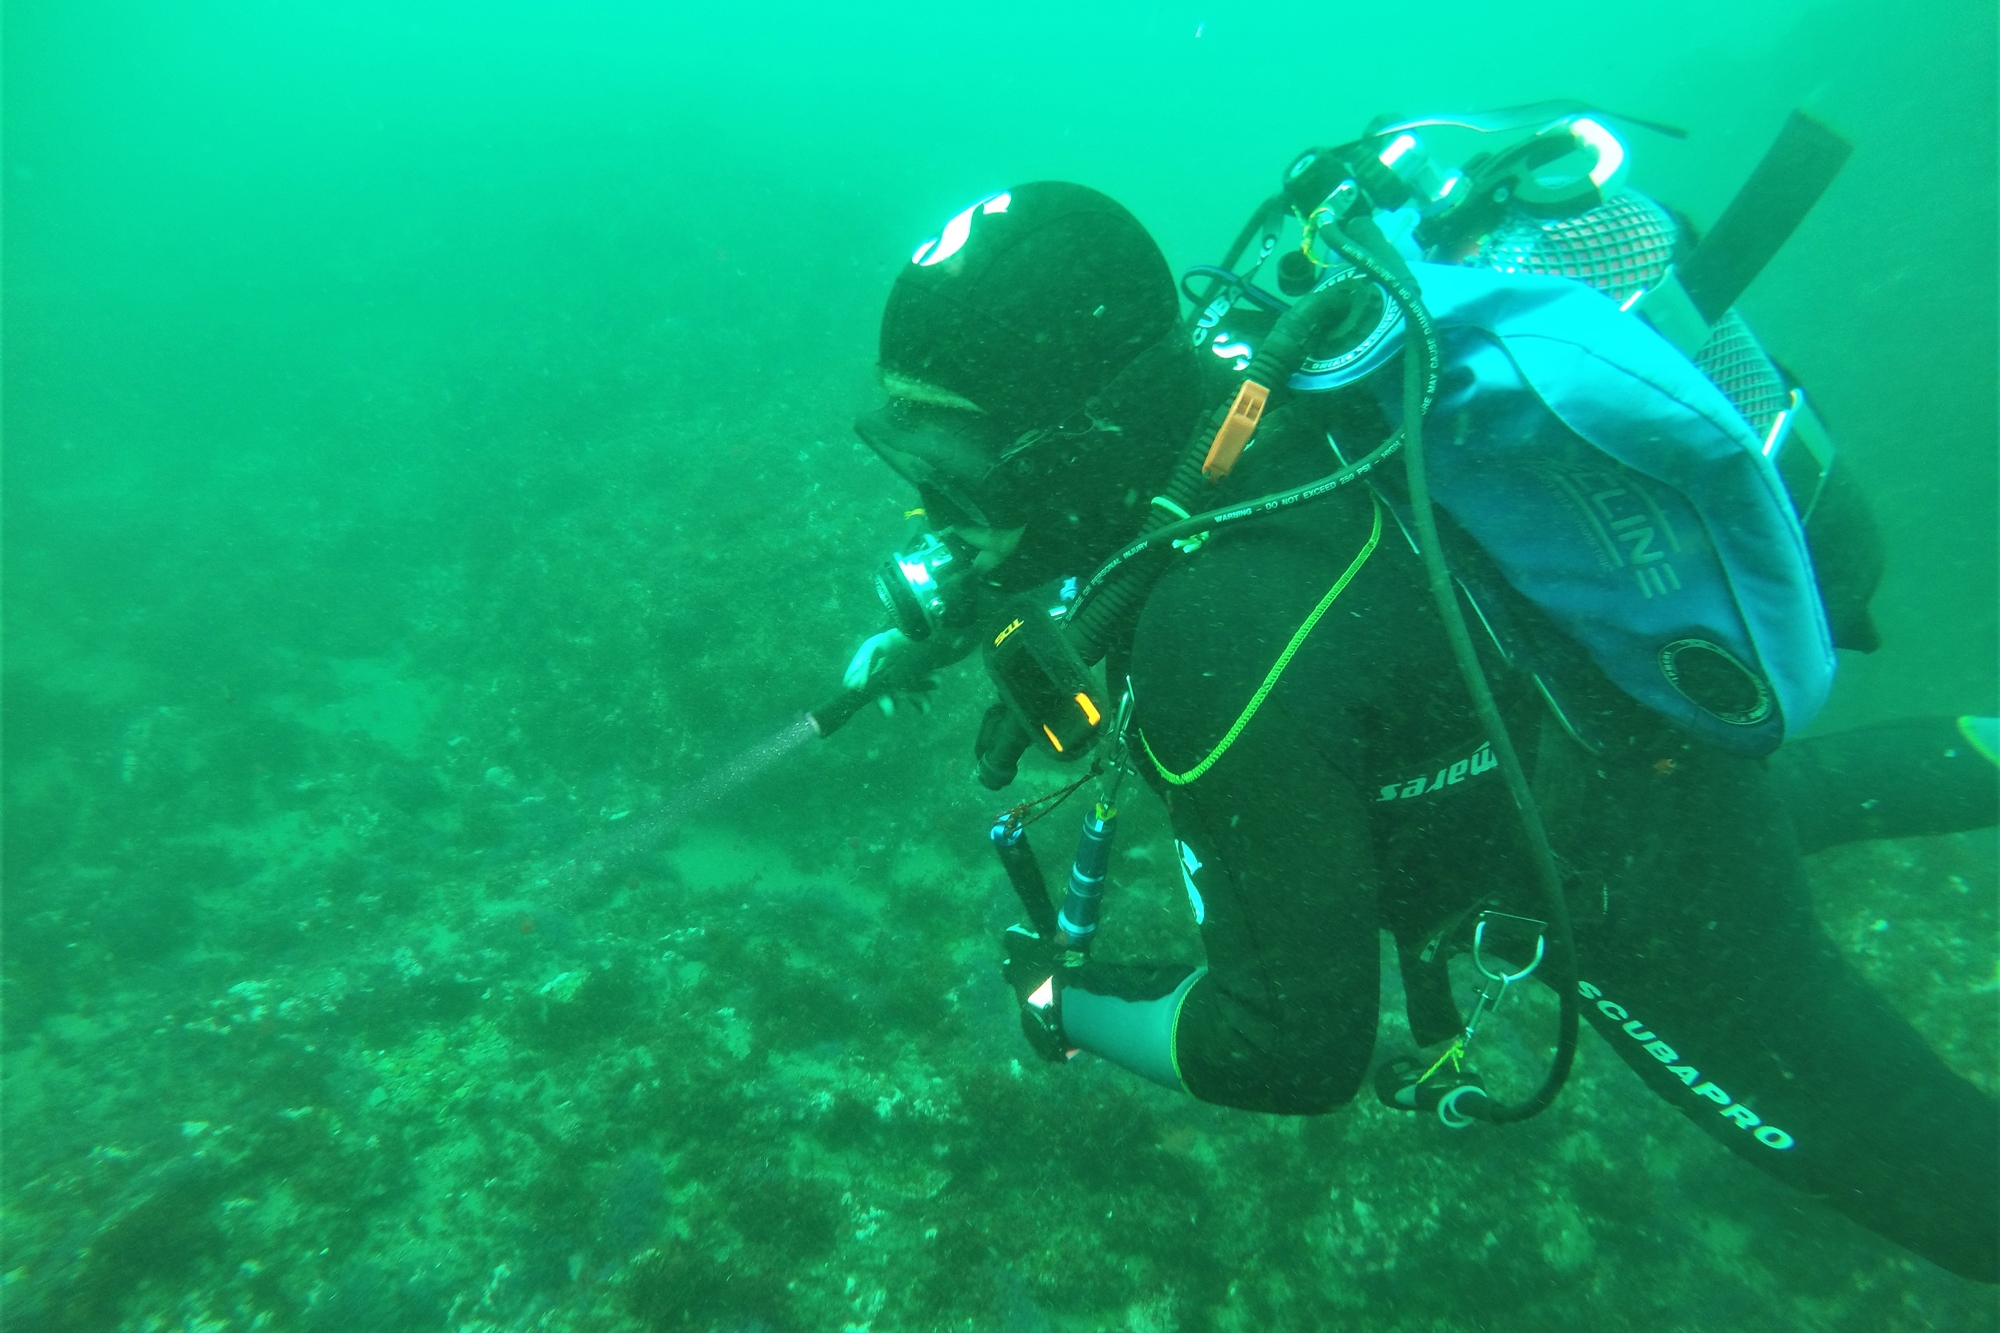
1029,302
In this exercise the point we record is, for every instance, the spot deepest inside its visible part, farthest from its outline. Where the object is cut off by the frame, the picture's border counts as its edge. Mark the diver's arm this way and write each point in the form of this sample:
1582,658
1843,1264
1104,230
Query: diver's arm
888,665
1128,1015
1276,858
1284,1019
892,654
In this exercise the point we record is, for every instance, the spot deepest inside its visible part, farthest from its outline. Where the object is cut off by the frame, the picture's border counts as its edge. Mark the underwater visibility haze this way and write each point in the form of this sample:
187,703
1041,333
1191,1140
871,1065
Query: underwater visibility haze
433,504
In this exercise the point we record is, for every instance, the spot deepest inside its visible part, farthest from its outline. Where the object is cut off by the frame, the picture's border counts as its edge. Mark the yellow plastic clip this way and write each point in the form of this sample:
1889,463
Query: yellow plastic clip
1236,430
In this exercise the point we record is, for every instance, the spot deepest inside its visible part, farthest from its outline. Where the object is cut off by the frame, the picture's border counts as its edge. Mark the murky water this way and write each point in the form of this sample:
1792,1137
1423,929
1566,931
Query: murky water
431,498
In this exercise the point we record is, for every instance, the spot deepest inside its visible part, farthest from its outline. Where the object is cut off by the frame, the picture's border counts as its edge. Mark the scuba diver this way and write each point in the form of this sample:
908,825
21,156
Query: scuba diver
1522,697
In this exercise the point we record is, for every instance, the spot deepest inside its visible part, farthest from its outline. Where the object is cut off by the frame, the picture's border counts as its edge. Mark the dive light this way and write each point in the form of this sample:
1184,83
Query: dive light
1047,689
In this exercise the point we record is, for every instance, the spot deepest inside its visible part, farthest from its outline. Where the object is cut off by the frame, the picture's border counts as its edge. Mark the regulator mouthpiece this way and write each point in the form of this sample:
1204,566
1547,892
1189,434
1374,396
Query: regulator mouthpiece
930,588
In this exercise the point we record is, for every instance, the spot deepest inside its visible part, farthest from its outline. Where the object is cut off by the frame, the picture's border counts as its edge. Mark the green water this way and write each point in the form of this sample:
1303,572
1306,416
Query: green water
427,444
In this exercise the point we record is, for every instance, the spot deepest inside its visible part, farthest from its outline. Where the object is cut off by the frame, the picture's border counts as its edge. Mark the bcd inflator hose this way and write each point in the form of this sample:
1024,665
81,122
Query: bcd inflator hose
1090,625
1119,584
1284,350
1113,594
1219,440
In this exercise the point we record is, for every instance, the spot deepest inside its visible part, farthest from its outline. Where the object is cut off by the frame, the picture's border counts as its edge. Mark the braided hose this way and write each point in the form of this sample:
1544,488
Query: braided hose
1111,601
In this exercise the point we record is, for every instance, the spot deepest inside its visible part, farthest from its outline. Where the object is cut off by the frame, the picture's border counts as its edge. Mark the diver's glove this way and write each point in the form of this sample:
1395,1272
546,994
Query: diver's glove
1033,966
874,656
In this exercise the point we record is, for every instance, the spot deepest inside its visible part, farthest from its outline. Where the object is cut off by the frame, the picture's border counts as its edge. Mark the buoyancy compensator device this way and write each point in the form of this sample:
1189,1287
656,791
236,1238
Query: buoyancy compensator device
1609,431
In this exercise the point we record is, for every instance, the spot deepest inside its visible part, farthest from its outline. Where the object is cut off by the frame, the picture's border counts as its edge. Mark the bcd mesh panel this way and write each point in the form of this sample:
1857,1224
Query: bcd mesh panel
1619,247
1623,246
1736,363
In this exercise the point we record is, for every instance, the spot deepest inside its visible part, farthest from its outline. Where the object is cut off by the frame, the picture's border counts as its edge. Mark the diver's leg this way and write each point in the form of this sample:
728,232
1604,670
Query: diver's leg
1895,780
1708,974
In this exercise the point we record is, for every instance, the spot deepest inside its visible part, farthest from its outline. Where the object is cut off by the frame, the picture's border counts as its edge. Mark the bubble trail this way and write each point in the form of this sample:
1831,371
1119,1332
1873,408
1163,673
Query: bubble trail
642,830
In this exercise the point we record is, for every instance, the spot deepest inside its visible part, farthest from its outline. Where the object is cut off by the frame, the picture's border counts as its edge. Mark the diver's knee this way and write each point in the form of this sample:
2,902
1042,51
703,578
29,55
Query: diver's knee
1316,1079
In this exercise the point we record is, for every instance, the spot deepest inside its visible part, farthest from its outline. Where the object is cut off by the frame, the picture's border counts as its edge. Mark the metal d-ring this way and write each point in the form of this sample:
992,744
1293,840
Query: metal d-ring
1508,978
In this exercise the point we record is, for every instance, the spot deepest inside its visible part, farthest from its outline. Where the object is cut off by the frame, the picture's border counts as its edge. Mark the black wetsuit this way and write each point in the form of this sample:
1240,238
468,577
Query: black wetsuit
1358,798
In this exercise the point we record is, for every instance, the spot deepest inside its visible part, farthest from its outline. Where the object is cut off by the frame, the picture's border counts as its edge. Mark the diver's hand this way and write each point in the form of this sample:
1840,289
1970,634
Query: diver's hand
1033,967
874,656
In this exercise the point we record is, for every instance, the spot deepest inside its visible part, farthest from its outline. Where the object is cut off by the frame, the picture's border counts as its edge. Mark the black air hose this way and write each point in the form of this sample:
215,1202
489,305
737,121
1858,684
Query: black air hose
1420,371
1113,599
1313,318
1091,628
1310,321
